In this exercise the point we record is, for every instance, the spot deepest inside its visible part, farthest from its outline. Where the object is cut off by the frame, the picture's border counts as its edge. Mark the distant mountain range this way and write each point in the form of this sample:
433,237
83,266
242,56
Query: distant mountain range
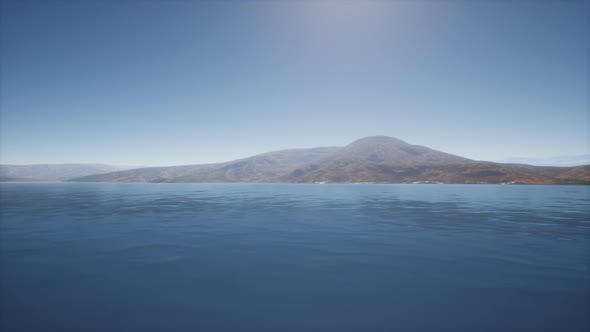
53,172
376,159
562,161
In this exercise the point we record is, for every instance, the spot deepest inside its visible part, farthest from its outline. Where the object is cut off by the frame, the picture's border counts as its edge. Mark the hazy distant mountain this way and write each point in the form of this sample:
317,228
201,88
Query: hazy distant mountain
561,161
53,172
377,159
373,159
382,159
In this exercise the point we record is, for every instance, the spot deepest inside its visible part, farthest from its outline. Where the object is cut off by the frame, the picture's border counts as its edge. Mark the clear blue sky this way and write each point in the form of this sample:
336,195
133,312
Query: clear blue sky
183,82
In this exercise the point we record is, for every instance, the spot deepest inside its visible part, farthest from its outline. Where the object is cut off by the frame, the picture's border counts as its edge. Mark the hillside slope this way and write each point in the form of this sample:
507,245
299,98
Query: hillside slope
259,168
54,172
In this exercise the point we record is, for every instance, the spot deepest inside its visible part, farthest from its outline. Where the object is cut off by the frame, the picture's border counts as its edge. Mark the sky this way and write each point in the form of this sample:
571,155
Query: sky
153,83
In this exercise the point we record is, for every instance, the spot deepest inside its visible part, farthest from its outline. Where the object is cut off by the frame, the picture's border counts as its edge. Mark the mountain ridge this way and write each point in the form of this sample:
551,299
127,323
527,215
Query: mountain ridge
373,159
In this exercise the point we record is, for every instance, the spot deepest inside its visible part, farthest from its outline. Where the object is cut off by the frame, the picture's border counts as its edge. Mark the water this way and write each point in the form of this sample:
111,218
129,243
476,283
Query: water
280,257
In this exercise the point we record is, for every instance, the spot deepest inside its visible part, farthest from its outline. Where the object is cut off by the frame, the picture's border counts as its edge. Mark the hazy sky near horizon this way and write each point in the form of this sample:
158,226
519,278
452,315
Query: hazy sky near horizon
185,82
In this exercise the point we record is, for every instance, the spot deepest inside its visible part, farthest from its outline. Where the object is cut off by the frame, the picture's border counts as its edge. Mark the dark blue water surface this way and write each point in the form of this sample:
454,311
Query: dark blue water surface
280,257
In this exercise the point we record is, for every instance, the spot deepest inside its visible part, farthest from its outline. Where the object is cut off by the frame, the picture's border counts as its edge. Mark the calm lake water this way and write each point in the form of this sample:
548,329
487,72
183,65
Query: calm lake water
287,257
